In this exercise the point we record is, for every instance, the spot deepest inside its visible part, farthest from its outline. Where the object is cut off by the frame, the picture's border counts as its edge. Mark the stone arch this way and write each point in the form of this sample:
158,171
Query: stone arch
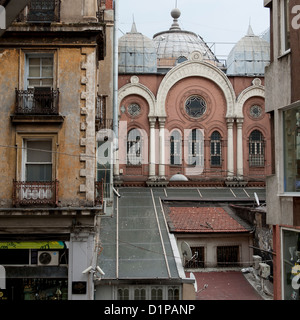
257,90
136,88
195,67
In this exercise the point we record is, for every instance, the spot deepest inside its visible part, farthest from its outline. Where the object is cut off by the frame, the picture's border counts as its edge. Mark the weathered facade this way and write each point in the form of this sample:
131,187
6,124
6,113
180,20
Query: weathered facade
53,59
283,104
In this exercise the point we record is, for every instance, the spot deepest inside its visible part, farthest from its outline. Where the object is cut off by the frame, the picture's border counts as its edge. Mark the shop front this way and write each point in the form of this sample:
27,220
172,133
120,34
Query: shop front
34,270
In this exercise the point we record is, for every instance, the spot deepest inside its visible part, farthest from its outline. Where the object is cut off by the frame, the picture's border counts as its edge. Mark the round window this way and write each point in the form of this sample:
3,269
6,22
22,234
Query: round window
134,109
195,106
255,111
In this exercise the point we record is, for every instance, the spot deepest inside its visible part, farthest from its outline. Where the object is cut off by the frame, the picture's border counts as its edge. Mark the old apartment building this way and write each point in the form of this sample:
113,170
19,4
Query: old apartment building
53,99
283,186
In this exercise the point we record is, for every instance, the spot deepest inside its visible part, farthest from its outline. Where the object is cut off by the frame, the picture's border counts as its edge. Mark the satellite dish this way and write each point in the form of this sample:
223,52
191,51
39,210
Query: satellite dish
186,251
192,276
256,198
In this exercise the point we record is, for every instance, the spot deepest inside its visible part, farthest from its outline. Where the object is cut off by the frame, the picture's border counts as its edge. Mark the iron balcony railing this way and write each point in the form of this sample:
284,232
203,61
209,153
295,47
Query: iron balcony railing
103,191
37,101
35,193
41,11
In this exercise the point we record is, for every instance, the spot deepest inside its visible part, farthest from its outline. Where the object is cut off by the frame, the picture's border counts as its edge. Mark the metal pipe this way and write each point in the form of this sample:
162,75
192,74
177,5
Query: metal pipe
115,76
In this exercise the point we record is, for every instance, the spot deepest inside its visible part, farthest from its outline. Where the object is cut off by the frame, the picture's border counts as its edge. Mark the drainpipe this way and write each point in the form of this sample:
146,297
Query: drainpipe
115,75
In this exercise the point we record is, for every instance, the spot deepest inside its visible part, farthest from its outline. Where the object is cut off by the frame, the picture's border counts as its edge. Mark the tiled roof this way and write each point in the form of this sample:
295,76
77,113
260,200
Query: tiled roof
202,219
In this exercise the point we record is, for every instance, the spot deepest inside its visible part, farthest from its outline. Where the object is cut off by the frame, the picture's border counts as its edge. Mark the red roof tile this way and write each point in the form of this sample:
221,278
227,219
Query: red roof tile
202,219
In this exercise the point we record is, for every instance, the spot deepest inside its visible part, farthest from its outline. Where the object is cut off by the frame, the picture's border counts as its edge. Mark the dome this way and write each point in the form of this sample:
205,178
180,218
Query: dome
249,56
137,53
175,45
179,177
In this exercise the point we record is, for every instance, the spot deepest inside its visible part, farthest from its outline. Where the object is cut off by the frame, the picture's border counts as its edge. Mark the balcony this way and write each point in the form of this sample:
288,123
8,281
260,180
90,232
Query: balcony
38,11
38,105
37,101
35,193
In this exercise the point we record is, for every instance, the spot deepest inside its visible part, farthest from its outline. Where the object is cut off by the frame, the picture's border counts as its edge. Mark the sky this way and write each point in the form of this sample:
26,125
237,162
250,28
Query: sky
220,23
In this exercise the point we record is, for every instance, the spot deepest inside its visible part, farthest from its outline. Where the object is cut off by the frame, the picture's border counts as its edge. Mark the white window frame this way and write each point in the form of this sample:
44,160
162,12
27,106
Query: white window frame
284,25
37,55
177,136
24,157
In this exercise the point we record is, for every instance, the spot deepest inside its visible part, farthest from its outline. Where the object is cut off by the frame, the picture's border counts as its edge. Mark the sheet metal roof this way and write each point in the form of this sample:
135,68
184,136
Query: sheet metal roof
136,243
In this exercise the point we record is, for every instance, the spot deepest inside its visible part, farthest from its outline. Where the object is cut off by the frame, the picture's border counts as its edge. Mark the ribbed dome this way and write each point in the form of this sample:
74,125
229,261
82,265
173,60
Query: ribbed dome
175,44
137,53
249,56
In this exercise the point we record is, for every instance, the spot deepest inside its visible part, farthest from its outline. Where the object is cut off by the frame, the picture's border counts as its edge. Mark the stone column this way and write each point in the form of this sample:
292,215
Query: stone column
162,148
230,150
240,155
152,156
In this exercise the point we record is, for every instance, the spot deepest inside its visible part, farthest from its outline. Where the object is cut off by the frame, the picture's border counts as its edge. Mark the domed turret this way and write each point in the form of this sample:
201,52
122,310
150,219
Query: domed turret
175,45
249,56
137,53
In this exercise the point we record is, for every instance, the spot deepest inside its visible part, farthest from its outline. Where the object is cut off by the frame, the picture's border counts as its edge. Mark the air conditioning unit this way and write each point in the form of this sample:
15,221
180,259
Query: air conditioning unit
48,258
264,270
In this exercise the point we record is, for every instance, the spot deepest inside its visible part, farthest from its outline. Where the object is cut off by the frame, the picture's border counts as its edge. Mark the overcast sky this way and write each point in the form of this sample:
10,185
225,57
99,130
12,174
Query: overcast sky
216,21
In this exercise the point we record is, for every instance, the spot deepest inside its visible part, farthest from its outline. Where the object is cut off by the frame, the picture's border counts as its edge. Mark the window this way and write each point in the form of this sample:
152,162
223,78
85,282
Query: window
215,149
104,167
134,147
43,11
291,129
123,294
228,256
148,292
156,293
38,160
196,148
175,148
285,25
195,106
39,72
256,149
140,294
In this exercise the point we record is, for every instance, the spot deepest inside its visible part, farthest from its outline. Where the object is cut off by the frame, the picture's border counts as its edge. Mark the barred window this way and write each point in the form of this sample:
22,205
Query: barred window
256,149
134,147
215,149
175,148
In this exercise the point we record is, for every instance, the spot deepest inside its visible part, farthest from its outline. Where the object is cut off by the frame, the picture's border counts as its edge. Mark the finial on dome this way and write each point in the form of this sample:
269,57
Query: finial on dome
250,32
133,28
175,13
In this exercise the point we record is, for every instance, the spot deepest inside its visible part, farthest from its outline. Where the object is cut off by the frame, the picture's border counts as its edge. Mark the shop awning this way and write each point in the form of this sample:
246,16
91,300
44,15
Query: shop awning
40,245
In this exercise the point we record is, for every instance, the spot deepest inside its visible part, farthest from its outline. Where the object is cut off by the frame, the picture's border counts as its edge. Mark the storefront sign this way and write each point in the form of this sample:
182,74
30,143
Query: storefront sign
40,245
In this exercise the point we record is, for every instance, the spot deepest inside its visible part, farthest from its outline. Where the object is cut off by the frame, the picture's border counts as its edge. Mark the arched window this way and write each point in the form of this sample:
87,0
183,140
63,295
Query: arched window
215,149
134,147
196,148
175,148
256,149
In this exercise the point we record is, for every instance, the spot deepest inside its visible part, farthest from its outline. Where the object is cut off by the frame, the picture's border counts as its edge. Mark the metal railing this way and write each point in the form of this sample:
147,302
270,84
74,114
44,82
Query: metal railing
37,11
35,193
37,102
